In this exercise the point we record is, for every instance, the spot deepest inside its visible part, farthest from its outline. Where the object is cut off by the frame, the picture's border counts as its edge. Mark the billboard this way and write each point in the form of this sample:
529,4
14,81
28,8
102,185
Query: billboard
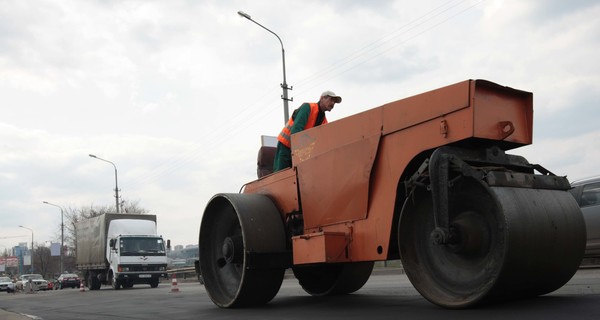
9,262
55,249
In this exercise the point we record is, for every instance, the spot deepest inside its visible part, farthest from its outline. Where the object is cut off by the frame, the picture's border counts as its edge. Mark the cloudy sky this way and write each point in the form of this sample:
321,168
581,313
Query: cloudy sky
178,93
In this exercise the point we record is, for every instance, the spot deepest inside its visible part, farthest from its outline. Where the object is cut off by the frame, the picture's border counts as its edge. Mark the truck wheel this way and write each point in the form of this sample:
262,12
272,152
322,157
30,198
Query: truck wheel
114,282
508,243
92,281
333,279
153,283
237,235
96,284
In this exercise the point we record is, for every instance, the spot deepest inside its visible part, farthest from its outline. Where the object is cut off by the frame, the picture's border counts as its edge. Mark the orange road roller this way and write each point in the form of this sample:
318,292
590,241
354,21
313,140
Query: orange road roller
426,180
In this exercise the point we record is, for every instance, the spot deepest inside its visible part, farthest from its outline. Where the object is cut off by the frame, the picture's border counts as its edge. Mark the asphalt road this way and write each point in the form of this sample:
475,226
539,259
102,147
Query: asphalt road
385,296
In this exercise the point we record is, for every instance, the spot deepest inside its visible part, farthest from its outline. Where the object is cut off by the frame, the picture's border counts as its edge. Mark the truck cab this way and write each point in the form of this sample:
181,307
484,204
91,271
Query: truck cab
120,250
136,259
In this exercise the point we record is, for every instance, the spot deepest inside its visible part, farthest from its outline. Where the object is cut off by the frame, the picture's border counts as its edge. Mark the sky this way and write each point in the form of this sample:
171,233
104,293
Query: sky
178,93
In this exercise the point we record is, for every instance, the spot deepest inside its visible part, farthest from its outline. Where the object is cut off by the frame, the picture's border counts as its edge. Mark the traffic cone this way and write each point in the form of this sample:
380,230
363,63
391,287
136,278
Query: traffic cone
174,288
81,287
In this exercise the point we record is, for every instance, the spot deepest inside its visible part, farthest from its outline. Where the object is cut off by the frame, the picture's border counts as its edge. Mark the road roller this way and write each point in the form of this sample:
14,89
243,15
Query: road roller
427,180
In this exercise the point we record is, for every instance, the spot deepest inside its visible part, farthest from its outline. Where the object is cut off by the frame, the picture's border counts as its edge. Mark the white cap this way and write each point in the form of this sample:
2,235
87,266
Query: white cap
328,93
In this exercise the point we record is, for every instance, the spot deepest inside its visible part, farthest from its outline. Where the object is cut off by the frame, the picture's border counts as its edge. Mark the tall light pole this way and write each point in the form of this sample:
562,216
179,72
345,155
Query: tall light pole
116,183
284,85
31,246
62,233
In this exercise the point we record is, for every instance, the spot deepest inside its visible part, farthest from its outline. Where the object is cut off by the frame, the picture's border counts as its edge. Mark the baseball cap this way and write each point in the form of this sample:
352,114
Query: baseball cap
328,93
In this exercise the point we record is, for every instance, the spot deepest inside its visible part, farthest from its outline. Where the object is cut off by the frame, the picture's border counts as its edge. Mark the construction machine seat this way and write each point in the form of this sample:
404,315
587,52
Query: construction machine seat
266,157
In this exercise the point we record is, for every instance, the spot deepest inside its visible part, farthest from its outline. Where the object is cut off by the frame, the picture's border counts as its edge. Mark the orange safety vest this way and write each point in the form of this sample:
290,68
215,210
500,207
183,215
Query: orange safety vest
285,137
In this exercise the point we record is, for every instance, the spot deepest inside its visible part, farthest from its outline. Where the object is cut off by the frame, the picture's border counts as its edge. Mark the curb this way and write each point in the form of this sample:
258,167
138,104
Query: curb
6,315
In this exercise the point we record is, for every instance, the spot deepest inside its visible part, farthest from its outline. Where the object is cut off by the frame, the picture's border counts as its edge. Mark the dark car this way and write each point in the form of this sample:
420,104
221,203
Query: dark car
587,194
67,280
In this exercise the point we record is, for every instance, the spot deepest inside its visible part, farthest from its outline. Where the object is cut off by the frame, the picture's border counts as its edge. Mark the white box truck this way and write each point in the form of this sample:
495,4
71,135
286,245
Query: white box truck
120,250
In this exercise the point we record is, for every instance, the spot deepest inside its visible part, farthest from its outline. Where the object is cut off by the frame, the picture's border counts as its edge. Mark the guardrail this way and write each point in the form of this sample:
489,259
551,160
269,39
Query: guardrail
183,273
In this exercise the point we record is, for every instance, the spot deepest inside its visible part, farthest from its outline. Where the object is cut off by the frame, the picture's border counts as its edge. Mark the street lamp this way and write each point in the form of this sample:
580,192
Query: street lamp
62,234
116,183
284,85
31,246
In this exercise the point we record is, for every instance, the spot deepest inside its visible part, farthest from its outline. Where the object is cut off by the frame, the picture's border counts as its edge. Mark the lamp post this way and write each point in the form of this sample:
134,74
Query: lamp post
62,234
116,183
284,85
31,246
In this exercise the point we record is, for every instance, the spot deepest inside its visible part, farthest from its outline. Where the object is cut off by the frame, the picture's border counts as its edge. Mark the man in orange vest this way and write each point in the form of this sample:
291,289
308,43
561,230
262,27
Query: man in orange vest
307,116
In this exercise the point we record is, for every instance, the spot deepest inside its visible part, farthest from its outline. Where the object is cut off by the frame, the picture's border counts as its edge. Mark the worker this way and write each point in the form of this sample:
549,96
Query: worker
308,115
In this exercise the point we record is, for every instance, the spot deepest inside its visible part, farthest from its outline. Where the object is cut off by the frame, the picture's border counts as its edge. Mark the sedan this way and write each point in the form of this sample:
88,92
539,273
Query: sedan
67,280
36,279
587,195
6,284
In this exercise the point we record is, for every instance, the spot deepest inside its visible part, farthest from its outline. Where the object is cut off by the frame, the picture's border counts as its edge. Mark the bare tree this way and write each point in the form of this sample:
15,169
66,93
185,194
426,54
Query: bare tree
74,215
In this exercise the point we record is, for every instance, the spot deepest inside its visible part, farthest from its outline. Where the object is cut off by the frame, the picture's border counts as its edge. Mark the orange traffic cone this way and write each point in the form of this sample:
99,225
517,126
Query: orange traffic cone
81,287
174,288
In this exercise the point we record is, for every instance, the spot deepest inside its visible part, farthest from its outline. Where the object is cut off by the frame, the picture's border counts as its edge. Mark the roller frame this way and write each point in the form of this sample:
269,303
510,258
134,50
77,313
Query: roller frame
494,166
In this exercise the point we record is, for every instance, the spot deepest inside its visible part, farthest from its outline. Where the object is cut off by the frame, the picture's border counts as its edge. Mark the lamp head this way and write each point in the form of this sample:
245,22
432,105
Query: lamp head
245,15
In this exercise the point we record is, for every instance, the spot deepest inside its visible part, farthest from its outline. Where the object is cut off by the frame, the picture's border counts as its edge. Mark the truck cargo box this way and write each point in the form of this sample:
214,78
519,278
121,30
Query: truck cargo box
91,237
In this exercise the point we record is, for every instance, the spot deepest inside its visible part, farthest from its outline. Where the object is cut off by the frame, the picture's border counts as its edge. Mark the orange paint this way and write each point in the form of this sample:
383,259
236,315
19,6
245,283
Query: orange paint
346,175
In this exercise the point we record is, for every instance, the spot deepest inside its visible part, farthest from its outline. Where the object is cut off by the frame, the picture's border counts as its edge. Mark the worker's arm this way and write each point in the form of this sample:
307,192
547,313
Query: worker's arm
301,118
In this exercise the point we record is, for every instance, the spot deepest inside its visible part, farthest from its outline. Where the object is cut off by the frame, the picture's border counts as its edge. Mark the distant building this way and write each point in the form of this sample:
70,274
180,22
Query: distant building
181,257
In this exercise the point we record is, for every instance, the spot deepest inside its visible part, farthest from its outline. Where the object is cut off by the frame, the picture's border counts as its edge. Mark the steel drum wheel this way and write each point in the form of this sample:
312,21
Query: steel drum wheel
333,279
512,242
234,226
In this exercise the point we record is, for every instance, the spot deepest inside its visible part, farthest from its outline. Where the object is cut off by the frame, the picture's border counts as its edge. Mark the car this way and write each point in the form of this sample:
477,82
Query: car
36,279
67,280
6,284
587,194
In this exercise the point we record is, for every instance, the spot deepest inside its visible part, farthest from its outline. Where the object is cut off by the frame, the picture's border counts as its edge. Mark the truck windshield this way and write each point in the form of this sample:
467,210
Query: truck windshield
139,246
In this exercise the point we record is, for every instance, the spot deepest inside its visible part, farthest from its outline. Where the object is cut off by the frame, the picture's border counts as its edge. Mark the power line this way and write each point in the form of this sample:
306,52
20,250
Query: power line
235,123
214,138
379,53
383,40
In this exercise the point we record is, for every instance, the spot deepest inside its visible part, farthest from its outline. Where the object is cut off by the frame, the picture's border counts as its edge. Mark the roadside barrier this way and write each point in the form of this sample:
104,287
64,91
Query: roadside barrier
174,288
81,287
30,287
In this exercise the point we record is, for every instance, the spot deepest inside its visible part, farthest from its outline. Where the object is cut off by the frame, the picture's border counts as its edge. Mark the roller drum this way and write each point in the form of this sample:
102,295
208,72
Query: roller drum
509,243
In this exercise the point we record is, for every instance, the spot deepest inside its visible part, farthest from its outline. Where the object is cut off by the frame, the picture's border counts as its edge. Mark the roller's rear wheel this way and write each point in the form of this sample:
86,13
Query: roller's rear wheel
235,227
333,279
510,243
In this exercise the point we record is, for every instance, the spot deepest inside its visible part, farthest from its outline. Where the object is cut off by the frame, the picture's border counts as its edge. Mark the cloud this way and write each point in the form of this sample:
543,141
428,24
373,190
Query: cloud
178,93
